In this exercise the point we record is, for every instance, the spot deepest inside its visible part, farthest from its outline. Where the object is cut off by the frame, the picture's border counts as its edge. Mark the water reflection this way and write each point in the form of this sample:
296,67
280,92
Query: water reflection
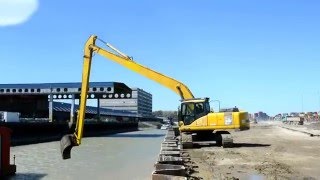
26,176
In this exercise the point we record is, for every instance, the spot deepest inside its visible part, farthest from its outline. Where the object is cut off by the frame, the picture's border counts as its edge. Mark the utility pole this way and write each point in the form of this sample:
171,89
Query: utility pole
318,101
302,102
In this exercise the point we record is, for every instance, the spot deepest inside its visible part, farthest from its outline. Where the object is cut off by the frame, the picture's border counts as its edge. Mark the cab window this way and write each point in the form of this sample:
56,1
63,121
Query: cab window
199,108
187,109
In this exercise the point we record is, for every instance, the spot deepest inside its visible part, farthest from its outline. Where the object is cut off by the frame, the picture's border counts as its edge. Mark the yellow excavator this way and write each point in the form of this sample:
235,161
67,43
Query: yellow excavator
196,121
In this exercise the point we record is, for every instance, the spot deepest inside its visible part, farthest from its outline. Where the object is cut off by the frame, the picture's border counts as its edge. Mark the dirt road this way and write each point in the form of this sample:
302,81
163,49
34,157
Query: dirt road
266,151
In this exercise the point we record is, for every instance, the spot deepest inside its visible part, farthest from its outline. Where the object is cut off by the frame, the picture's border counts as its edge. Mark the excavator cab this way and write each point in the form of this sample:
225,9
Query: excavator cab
193,109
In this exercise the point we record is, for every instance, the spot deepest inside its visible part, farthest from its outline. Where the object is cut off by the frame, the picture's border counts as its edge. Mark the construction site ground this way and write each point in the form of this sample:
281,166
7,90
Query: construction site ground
266,151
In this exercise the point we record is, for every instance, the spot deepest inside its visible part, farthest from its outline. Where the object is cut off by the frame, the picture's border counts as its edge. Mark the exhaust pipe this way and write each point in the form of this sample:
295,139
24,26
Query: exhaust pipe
66,144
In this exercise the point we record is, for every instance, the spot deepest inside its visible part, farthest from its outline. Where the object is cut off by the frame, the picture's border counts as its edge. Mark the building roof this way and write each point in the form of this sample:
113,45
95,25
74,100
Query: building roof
57,85
65,90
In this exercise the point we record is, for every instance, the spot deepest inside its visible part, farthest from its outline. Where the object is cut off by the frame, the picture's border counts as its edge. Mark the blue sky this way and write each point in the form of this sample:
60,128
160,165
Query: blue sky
257,55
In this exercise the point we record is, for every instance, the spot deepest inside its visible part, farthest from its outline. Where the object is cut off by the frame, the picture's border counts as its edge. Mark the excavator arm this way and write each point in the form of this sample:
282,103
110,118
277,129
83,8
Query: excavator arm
70,140
127,62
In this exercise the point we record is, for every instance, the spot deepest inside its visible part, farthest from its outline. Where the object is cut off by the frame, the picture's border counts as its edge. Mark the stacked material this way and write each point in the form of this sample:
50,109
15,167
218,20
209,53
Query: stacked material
293,120
170,164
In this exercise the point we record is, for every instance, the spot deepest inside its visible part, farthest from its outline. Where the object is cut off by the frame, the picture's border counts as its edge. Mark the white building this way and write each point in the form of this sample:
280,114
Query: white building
140,103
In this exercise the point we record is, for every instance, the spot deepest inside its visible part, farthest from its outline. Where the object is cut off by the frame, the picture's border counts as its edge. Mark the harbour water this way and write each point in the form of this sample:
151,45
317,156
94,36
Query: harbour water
120,156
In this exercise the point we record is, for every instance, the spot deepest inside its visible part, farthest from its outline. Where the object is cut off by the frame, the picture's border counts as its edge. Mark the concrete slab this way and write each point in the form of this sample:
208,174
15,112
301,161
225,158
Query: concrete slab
171,141
170,153
169,169
170,145
166,177
163,159
170,149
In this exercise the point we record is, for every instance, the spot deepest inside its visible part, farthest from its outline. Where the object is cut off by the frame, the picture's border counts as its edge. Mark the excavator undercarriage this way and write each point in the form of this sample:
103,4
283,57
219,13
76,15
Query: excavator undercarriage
220,138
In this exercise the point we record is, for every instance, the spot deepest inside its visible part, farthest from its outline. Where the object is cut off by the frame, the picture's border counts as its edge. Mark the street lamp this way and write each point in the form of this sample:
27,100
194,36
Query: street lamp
216,100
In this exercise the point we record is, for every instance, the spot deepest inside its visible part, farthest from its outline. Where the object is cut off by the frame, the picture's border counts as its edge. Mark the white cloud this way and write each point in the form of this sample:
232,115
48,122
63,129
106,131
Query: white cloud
13,12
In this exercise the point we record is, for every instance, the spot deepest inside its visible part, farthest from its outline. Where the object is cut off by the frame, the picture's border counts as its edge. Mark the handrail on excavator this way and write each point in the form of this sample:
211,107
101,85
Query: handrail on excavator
70,140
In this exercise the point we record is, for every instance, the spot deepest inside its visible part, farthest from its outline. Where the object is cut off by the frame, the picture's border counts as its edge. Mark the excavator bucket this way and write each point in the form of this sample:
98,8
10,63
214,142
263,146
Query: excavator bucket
66,144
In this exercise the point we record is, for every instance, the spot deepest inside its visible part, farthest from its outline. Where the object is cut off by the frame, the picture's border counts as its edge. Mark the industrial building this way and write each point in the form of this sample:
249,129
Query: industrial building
140,103
37,100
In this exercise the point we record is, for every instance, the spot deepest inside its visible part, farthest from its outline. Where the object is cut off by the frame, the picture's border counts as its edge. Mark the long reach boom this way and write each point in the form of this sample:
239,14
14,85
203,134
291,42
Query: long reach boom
70,140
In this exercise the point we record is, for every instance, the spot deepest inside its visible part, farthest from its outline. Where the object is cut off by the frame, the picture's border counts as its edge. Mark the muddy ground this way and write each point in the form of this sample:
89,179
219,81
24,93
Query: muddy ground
266,151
